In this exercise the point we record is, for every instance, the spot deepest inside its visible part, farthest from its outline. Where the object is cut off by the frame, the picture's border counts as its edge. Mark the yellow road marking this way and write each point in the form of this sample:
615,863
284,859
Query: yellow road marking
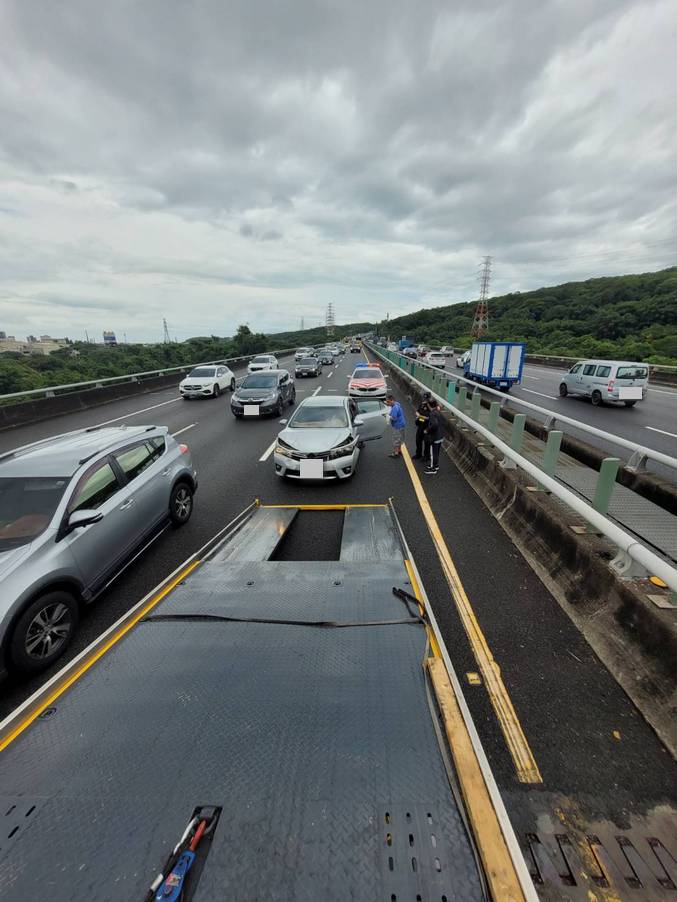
432,638
498,864
518,746
84,667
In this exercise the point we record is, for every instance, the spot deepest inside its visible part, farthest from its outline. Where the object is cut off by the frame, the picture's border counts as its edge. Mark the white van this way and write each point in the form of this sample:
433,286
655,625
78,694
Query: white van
607,381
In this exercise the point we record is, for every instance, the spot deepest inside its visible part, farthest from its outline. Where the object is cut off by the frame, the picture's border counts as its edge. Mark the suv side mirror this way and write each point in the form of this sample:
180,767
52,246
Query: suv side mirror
83,518
283,422
358,421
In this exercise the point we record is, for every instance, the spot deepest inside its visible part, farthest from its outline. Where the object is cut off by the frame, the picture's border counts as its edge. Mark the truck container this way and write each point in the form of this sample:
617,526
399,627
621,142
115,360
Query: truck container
405,342
497,364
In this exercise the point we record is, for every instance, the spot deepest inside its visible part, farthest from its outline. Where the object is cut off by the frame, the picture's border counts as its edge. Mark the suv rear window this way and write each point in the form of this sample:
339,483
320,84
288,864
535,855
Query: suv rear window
27,505
632,372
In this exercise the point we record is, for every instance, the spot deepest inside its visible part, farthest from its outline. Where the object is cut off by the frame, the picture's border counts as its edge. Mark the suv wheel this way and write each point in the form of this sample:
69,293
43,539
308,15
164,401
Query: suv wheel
563,390
292,398
232,384
180,504
217,390
44,631
596,398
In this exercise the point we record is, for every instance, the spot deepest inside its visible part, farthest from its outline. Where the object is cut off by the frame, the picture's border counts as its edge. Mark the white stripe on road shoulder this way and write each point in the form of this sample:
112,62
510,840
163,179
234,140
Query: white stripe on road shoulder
185,429
531,392
135,413
663,431
269,450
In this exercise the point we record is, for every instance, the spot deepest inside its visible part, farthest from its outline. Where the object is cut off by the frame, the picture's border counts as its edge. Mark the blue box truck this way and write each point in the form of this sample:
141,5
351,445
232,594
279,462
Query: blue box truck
498,364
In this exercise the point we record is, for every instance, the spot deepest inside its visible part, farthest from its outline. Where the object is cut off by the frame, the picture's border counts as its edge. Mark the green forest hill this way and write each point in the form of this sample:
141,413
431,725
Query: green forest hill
626,317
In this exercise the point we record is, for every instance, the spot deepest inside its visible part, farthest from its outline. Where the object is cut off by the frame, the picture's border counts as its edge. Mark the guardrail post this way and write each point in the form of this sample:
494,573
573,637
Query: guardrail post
451,393
475,406
516,439
605,486
550,455
494,410
462,398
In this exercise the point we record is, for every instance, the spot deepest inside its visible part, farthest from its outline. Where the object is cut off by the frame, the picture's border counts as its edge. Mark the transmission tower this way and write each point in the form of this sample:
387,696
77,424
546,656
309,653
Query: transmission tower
165,338
330,321
480,323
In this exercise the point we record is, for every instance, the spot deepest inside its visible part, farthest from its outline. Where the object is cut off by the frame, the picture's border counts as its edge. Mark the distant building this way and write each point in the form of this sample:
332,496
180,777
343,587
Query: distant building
109,338
44,345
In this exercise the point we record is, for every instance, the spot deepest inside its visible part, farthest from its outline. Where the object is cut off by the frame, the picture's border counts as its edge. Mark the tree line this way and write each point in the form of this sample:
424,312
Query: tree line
630,317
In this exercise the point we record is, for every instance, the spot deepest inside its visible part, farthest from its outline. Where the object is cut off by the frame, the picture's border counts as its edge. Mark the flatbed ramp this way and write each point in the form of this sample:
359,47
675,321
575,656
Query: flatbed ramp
292,697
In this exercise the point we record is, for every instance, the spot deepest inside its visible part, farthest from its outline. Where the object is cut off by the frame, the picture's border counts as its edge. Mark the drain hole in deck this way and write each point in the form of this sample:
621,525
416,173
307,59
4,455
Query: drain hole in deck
325,529
10,810
411,839
12,832
389,839
391,863
438,865
433,840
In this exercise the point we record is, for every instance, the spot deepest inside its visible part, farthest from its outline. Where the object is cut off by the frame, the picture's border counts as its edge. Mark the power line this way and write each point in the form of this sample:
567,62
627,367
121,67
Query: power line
330,321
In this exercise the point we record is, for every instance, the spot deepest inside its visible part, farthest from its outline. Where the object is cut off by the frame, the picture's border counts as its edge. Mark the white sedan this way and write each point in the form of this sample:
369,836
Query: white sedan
206,381
263,362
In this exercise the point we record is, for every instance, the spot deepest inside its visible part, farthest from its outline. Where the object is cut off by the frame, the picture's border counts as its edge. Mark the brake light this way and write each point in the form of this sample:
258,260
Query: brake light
610,386
183,449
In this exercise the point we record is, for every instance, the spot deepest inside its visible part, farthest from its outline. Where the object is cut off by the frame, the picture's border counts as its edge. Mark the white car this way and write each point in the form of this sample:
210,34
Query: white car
436,358
323,438
303,352
207,381
263,362
462,359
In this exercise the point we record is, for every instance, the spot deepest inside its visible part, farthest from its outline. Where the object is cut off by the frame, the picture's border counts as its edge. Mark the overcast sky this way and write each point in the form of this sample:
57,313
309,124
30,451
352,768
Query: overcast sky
225,162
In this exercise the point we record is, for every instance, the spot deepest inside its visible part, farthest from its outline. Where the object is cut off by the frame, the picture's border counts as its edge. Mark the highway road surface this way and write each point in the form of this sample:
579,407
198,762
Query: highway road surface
598,760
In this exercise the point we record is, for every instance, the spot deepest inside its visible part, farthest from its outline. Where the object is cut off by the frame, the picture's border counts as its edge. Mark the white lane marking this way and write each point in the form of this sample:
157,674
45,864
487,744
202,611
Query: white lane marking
185,429
531,392
135,413
663,431
535,378
269,450
317,391
661,391
330,375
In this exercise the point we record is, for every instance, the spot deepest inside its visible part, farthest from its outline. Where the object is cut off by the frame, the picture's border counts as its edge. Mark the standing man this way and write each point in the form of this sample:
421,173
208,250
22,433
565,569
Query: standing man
433,436
422,412
398,422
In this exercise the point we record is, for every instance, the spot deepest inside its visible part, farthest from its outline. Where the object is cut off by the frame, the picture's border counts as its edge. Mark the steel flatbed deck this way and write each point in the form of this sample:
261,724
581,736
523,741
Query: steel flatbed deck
308,708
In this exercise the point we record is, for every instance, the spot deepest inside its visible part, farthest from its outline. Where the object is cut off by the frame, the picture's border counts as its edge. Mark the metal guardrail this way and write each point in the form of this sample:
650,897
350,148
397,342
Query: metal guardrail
51,390
630,550
653,367
640,453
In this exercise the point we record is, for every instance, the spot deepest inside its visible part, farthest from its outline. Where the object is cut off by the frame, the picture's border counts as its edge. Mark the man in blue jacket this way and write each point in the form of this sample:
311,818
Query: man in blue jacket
398,422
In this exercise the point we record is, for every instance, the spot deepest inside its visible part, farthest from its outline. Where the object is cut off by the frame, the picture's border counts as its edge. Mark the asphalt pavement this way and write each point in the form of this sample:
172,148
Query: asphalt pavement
597,756
651,423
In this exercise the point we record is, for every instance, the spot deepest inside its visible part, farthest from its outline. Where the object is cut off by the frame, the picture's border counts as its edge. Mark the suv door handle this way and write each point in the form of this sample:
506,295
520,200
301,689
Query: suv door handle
166,472
129,503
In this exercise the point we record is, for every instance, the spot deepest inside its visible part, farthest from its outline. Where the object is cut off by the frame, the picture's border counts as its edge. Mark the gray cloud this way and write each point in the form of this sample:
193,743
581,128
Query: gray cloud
181,159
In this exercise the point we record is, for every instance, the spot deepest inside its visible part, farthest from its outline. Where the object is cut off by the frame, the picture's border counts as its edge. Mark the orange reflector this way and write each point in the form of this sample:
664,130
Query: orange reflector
657,581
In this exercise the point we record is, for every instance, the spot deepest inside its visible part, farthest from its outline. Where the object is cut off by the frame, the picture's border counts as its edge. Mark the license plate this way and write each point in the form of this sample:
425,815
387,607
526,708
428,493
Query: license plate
311,469
251,410
630,393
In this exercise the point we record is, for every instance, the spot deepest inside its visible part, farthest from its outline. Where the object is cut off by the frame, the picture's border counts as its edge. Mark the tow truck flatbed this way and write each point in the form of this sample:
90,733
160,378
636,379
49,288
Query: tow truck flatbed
294,698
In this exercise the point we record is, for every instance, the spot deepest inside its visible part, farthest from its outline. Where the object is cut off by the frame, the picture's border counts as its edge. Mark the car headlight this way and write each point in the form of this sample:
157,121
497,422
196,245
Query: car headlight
283,450
342,450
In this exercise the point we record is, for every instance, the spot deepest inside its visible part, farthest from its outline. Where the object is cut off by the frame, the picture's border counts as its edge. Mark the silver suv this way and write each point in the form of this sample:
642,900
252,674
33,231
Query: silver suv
73,511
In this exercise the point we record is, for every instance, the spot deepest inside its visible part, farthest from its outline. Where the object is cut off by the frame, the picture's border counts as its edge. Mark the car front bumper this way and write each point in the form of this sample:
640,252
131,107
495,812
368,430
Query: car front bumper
265,407
205,392
332,470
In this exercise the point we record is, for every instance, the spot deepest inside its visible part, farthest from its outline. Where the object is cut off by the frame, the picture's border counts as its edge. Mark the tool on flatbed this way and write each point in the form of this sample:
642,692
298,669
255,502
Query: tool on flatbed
170,883
408,599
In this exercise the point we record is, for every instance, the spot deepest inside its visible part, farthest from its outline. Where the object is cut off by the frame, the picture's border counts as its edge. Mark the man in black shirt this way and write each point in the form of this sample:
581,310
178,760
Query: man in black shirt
433,437
422,412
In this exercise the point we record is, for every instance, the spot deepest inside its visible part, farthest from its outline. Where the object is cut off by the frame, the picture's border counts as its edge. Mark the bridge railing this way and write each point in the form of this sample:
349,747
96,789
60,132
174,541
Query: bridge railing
631,553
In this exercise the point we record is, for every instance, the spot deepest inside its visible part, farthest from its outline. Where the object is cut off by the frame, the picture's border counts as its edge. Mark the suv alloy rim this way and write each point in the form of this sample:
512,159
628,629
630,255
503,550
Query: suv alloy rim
48,630
182,503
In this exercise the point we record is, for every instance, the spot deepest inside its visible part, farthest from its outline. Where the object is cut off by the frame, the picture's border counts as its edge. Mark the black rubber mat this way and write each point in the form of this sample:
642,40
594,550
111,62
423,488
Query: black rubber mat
318,744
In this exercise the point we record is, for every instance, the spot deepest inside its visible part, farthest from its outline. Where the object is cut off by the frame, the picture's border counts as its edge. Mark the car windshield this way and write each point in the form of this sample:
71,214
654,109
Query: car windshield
367,374
261,360
631,372
312,416
309,361
202,372
27,505
260,380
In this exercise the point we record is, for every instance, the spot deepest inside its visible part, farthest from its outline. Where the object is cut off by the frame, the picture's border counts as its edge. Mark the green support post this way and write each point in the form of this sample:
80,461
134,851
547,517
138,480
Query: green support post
475,406
605,484
451,393
551,453
462,398
517,436
494,410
